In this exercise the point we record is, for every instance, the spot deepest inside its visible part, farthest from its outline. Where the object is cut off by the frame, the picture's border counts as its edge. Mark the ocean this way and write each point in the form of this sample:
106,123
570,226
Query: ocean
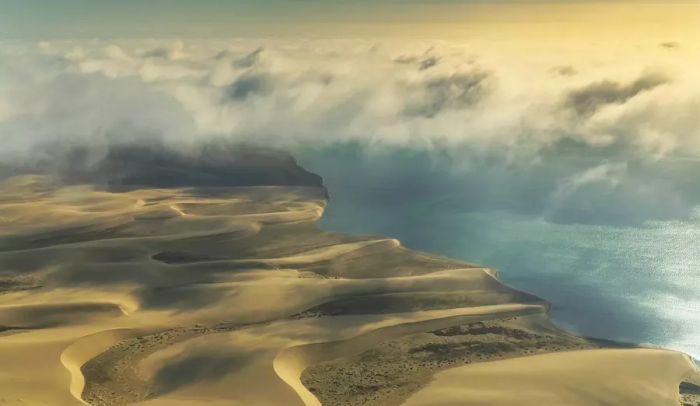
631,283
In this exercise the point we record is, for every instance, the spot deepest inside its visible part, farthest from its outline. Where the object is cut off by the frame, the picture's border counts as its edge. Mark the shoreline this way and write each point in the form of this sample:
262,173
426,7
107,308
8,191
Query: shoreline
221,283
524,269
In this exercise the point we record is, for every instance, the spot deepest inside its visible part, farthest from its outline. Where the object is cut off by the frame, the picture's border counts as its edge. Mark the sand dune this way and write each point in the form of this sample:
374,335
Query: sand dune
33,316
88,347
602,377
232,295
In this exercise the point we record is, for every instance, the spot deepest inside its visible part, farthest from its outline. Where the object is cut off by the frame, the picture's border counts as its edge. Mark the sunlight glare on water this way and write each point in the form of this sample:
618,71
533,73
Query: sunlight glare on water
632,284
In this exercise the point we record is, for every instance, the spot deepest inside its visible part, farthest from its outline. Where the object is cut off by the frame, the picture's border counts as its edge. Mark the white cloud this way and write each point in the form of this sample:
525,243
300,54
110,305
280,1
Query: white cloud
612,194
327,91
477,98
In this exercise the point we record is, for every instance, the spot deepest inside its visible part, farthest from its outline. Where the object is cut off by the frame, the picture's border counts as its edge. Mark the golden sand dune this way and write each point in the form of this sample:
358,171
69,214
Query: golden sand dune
233,295
578,378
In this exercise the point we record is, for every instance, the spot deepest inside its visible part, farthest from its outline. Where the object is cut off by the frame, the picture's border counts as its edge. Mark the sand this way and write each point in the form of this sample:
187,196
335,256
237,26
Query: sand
577,378
233,295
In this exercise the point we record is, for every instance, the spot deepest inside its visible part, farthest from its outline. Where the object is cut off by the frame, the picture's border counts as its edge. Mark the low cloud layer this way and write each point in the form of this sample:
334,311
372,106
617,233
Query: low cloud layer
455,92
496,118
591,98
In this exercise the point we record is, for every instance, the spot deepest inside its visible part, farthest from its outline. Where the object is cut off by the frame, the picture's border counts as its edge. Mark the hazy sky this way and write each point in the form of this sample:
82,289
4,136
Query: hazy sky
509,86
183,18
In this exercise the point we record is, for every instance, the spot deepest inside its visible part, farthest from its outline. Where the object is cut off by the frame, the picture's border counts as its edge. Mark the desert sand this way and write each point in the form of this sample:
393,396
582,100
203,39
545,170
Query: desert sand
233,295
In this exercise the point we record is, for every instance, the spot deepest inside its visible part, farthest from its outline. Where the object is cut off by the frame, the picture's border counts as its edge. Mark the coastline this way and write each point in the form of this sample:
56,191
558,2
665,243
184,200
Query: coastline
646,273
232,294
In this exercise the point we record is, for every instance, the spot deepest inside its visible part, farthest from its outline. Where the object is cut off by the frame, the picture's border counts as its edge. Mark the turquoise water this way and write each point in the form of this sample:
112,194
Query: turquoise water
636,284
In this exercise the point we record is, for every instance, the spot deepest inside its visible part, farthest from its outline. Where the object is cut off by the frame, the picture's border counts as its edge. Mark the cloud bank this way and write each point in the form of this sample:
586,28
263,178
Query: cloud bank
575,136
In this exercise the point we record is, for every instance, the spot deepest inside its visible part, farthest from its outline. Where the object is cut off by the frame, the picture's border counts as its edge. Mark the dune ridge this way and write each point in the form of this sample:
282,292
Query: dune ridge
227,294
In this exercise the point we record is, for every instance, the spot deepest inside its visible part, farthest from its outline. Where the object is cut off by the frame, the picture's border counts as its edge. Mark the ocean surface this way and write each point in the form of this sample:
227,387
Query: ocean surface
638,284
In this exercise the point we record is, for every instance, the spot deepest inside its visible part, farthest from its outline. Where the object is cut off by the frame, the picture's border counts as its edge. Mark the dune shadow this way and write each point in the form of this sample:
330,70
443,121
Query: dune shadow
194,368
181,298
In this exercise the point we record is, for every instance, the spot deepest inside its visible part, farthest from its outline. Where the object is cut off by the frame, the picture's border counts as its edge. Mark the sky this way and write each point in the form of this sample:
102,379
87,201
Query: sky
441,18
593,105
